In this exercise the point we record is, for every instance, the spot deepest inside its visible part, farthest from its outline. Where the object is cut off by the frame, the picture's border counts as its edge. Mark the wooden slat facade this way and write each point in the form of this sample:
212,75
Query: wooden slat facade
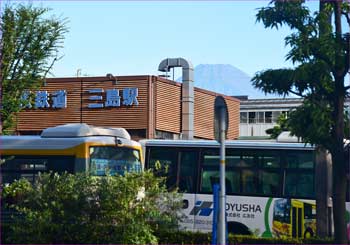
168,106
129,117
159,107
168,110
204,114
39,119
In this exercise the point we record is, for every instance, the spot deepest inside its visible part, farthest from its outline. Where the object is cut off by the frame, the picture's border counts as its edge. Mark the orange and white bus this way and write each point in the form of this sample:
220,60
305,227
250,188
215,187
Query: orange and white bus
69,148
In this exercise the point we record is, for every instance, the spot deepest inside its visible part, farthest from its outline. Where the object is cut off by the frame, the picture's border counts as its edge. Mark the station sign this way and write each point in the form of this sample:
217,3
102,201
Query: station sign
98,97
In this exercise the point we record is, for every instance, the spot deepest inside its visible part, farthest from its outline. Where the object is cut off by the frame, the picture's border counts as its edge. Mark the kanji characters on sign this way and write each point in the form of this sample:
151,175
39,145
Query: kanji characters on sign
98,97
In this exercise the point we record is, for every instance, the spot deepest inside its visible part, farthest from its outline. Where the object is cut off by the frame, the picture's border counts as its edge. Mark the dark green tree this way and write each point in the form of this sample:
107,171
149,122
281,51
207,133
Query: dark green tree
29,48
319,50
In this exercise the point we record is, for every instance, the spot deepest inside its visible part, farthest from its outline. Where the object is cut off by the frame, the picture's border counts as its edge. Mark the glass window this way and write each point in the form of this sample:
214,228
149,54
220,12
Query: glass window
233,161
261,118
309,211
268,116
163,161
249,181
208,178
275,116
300,185
247,160
285,113
243,117
188,170
302,160
252,117
270,183
210,171
211,177
16,167
269,161
212,160
113,160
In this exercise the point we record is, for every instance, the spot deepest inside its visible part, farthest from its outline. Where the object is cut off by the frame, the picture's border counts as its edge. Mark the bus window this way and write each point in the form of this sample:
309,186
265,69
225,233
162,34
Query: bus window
270,182
16,167
300,160
210,173
113,160
207,177
309,211
163,162
211,177
269,165
247,160
299,175
269,161
299,185
249,182
233,161
188,170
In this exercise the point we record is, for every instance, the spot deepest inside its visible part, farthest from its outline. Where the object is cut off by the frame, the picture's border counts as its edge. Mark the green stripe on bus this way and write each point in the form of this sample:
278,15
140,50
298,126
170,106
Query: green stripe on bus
267,232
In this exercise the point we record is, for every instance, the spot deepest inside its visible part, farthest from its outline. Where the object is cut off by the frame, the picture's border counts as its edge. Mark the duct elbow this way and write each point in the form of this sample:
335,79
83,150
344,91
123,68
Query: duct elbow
168,63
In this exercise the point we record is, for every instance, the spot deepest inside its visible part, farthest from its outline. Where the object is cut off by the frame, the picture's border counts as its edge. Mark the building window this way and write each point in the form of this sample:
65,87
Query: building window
268,116
275,116
285,113
261,117
252,117
243,117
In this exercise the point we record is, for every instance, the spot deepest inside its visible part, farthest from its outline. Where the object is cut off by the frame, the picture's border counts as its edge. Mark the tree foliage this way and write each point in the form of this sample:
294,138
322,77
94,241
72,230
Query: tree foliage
85,209
282,125
319,50
29,48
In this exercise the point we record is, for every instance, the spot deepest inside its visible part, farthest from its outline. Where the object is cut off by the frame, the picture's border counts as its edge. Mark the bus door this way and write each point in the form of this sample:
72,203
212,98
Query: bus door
297,218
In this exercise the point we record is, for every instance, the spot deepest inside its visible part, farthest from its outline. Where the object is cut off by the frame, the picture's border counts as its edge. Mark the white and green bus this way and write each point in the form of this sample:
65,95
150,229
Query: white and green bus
269,185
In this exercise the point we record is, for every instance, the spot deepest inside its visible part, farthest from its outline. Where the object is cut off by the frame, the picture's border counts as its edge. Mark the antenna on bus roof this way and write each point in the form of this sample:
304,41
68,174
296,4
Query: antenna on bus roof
83,130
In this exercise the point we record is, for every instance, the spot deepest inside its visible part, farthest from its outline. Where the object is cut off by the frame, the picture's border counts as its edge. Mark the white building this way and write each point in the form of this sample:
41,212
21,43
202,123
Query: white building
257,115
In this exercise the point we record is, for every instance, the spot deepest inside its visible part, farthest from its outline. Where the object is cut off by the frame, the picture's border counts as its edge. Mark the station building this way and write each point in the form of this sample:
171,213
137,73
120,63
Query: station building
147,106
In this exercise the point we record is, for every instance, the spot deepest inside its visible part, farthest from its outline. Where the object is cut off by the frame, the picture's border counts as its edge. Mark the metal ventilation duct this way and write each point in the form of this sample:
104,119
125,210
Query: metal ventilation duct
187,92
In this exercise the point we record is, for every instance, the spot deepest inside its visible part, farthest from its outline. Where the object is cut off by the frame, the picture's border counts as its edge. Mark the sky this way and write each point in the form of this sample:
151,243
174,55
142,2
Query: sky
133,37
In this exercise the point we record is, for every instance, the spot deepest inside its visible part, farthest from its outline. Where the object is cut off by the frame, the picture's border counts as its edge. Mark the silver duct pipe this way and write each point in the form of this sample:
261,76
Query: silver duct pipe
187,92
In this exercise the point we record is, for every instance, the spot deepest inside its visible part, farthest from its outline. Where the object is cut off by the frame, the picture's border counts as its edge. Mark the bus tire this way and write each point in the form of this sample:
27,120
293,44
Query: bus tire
308,233
238,228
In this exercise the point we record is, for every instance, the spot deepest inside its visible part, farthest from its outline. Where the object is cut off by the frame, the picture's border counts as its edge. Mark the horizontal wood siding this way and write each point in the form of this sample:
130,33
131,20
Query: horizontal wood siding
39,119
204,115
129,117
164,114
233,118
132,117
168,106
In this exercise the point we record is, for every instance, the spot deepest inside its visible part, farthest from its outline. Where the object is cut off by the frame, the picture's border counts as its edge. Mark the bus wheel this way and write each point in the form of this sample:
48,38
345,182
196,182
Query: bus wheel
308,233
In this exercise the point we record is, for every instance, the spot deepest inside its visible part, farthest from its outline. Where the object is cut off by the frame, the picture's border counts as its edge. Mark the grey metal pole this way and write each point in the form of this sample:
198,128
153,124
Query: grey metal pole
222,197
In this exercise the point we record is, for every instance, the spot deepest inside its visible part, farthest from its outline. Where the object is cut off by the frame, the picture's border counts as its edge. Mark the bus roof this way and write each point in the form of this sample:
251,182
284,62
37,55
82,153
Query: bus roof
83,130
249,144
39,143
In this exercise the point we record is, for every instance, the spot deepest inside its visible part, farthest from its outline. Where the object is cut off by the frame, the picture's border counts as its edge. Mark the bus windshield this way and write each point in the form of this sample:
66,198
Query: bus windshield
113,160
